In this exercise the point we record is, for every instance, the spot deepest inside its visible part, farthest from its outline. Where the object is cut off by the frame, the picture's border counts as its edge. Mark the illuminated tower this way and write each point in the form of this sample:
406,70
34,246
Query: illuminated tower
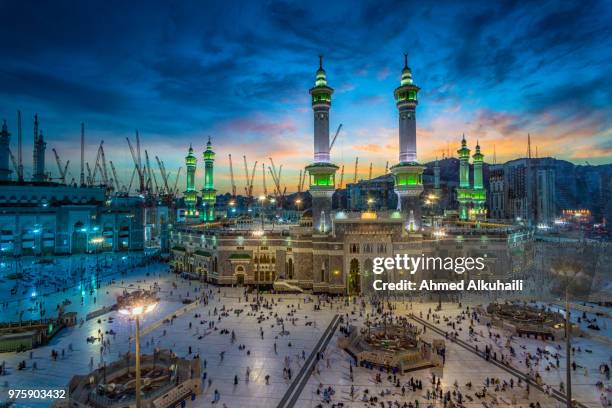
322,171
464,192
5,139
408,173
479,194
190,194
39,153
209,194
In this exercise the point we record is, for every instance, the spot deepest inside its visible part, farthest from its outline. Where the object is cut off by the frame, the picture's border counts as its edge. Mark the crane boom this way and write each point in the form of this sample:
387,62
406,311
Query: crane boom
252,180
232,176
263,173
335,137
162,171
15,165
175,187
115,178
247,189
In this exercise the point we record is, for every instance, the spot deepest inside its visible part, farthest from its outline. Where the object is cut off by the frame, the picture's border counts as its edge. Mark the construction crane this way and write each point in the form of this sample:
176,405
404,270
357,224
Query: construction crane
263,173
175,187
355,175
341,177
335,137
115,178
387,167
303,180
61,169
89,178
19,149
231,166
82,154
14,161
162,171
370,172
299,185
129,188
137,161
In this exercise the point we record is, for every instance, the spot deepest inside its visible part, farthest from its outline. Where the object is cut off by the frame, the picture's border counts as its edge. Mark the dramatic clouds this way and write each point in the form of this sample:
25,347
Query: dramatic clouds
240,72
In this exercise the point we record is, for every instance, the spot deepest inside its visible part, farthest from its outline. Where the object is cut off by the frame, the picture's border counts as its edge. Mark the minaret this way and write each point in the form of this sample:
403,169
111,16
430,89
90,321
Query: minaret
5,140
322,171
190,194
408,173
479,194
39,153
464,192
209,194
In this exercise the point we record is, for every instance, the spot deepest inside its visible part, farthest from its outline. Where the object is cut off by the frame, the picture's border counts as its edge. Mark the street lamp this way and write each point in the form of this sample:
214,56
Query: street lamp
262,200
135,305
569,270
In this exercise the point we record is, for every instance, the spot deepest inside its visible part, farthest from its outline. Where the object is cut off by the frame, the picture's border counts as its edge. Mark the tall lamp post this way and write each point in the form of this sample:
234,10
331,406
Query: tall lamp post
569,271
135,306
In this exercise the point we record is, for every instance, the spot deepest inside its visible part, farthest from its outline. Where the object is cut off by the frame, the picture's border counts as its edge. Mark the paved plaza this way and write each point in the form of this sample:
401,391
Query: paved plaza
252,353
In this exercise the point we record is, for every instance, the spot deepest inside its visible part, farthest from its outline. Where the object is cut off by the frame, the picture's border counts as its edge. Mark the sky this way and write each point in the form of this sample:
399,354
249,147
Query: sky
239,72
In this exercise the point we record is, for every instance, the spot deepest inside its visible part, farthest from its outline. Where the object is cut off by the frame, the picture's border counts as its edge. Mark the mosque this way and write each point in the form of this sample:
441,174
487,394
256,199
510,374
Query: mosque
331,250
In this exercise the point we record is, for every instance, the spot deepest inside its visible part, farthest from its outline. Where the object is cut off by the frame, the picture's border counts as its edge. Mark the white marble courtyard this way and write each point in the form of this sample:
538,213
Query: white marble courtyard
225,360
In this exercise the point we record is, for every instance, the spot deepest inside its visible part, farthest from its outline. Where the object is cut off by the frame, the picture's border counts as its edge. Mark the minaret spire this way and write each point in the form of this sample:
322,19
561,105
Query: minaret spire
408,173
322,171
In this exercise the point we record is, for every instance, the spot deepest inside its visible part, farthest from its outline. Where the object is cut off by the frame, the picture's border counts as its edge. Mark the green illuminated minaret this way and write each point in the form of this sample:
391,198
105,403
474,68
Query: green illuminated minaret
209,194
190,194
408,173
464,192
322,171
479,194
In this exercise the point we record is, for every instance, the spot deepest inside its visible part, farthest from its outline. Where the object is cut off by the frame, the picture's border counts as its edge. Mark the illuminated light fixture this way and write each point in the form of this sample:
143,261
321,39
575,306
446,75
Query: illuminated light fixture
368,215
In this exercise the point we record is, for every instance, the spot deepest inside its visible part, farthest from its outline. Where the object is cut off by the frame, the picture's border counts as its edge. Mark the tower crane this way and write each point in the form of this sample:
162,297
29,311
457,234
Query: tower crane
14,161
232,176
175,187
387,167
115,178
341,177
263,173
335,137
355,175
299,185
61,169
164,175
137,161
370,172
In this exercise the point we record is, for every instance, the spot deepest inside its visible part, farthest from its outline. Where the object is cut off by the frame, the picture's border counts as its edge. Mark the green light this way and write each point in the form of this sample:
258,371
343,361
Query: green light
408,179
323,180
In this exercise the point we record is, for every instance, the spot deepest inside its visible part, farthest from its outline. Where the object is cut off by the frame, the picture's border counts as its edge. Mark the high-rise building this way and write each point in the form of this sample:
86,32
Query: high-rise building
322,171
524,190
497,192
209,194
408,173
